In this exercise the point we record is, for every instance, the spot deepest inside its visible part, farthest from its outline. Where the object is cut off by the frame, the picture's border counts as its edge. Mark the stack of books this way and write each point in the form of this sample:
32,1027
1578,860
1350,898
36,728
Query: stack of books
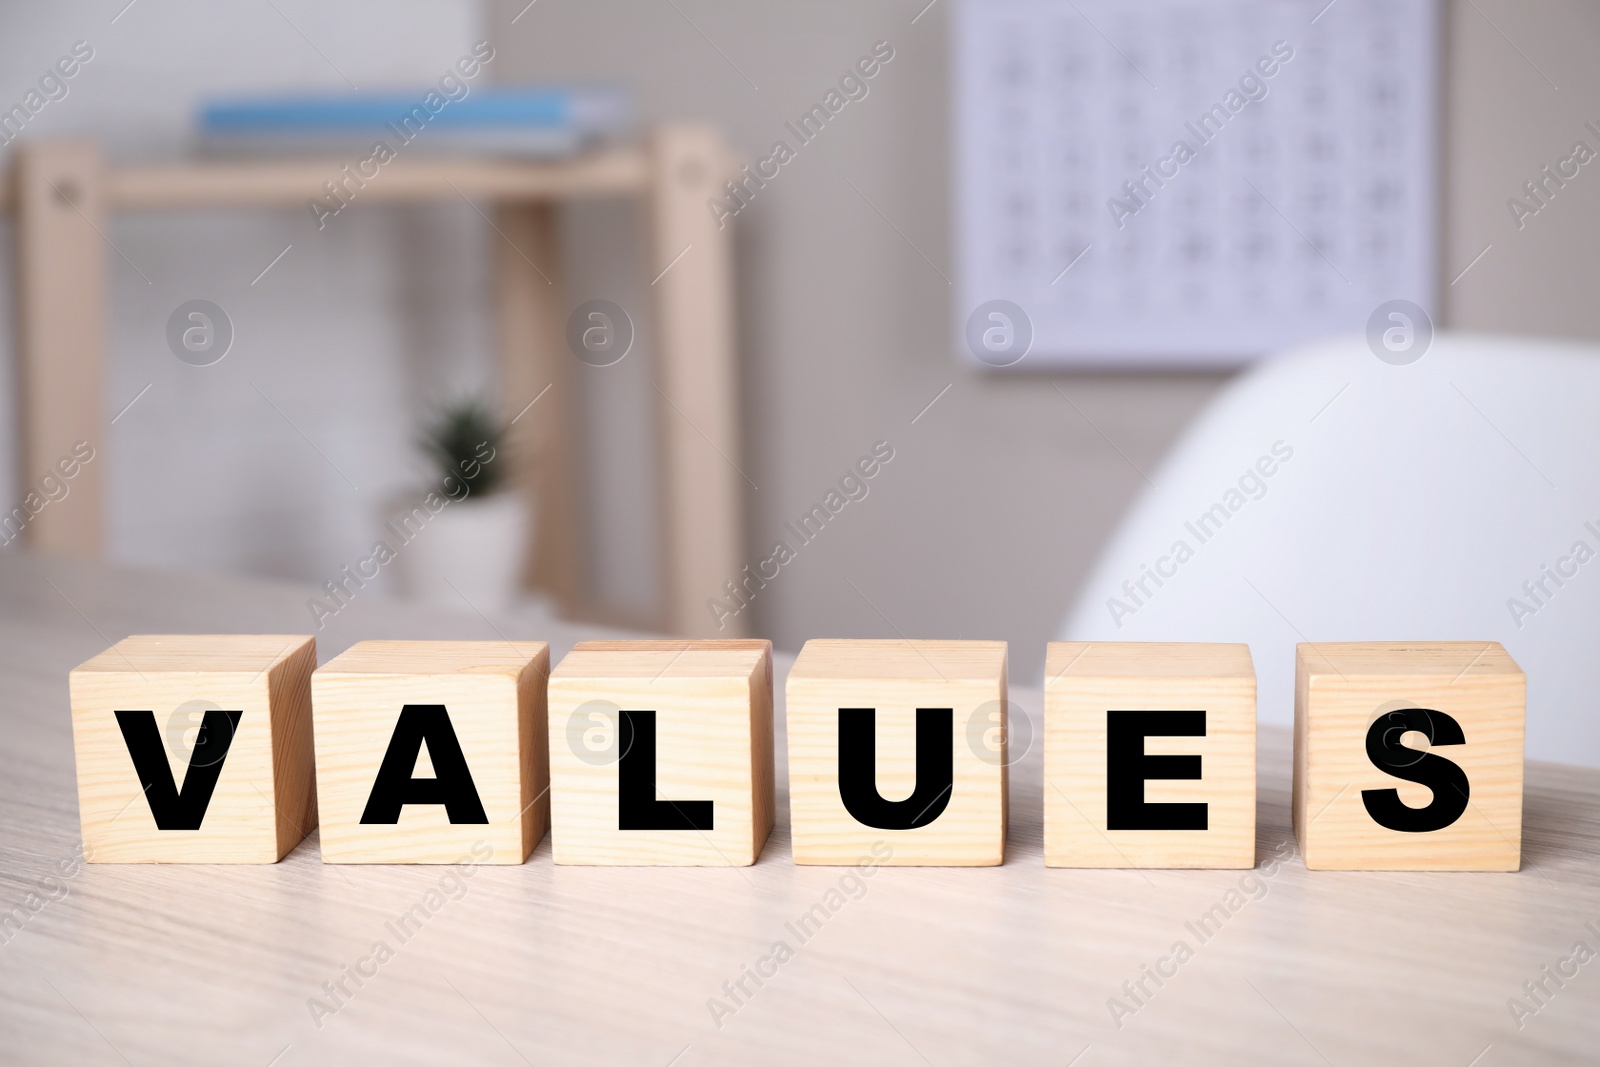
525,122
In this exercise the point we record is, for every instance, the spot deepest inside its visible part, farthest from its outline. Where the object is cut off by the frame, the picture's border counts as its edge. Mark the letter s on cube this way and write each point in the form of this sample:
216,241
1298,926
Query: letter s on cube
1408,756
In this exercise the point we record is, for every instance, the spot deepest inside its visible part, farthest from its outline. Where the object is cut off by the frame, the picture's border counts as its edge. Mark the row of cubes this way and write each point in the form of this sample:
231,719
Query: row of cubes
232,748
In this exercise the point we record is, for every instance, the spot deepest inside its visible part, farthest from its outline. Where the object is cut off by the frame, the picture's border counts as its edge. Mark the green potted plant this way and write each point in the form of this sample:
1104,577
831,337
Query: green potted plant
467,535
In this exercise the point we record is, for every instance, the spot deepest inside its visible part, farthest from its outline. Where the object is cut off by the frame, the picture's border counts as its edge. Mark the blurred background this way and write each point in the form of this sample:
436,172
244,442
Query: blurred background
818,323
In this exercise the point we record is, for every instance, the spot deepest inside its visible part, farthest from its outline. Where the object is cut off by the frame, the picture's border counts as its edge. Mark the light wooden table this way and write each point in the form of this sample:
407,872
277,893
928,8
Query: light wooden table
540,964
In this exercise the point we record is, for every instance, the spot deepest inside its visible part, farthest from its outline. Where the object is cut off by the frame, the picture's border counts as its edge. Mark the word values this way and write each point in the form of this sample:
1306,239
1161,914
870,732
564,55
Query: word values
661,753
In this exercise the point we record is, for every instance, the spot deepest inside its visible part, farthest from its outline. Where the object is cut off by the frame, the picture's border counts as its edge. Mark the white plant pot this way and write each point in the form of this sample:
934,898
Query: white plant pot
472,548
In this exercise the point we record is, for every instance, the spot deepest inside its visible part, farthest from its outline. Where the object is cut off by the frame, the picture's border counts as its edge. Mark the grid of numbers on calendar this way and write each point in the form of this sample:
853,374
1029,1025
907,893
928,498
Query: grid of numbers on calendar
1172,182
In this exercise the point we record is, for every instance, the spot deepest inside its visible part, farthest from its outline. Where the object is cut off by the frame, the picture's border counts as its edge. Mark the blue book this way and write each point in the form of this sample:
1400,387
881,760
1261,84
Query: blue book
528,121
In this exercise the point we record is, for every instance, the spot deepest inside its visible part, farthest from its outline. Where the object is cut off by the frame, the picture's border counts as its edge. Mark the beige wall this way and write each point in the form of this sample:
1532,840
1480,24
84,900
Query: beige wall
1504,121
998,498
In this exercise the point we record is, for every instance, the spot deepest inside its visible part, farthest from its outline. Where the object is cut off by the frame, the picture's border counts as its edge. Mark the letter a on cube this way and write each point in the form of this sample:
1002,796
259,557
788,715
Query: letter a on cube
195,749
1408,756
1149,755
426,748
661,753
898,743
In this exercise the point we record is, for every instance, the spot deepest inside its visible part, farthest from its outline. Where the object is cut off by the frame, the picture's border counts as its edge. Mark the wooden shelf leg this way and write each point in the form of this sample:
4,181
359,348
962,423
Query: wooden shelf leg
533,359
696,383
61,283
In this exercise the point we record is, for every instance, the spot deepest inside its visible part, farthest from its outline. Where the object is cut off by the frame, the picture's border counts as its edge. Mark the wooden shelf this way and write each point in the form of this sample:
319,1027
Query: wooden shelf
64,195
204,183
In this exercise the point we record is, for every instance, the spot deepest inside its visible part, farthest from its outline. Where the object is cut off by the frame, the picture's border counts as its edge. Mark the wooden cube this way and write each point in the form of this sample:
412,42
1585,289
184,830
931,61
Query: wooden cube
661,753
897,753
1149,755
428,751
195,749
1408,756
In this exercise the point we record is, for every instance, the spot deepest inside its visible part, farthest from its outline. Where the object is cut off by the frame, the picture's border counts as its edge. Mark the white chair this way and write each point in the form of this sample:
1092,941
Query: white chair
1446,499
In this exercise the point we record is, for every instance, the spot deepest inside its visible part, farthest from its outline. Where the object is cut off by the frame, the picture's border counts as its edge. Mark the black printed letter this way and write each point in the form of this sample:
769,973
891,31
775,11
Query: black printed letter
858,759
452,782
1446,779
1128,767
638,807
174,810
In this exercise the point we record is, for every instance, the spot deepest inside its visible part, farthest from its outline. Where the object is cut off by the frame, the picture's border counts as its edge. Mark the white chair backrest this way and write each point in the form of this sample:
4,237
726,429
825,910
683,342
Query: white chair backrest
1329,496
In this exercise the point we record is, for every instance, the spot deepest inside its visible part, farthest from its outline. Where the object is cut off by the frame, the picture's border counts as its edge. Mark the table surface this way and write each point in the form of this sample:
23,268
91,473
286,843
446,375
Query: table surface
539,964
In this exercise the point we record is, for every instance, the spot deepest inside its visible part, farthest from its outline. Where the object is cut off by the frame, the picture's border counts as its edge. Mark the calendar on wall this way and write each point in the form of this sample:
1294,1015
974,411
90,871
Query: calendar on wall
1189,182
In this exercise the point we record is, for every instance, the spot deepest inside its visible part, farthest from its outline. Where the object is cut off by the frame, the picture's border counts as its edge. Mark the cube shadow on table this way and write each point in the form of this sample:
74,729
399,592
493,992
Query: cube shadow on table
1149,755
661,753
897,753
195,748
1408,756
432,751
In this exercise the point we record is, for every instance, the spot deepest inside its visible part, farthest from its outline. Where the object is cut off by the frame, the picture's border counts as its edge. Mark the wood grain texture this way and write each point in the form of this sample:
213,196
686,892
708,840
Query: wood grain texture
1340,689
713,716
895,678
1084,682
562,965
493,692
264,801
